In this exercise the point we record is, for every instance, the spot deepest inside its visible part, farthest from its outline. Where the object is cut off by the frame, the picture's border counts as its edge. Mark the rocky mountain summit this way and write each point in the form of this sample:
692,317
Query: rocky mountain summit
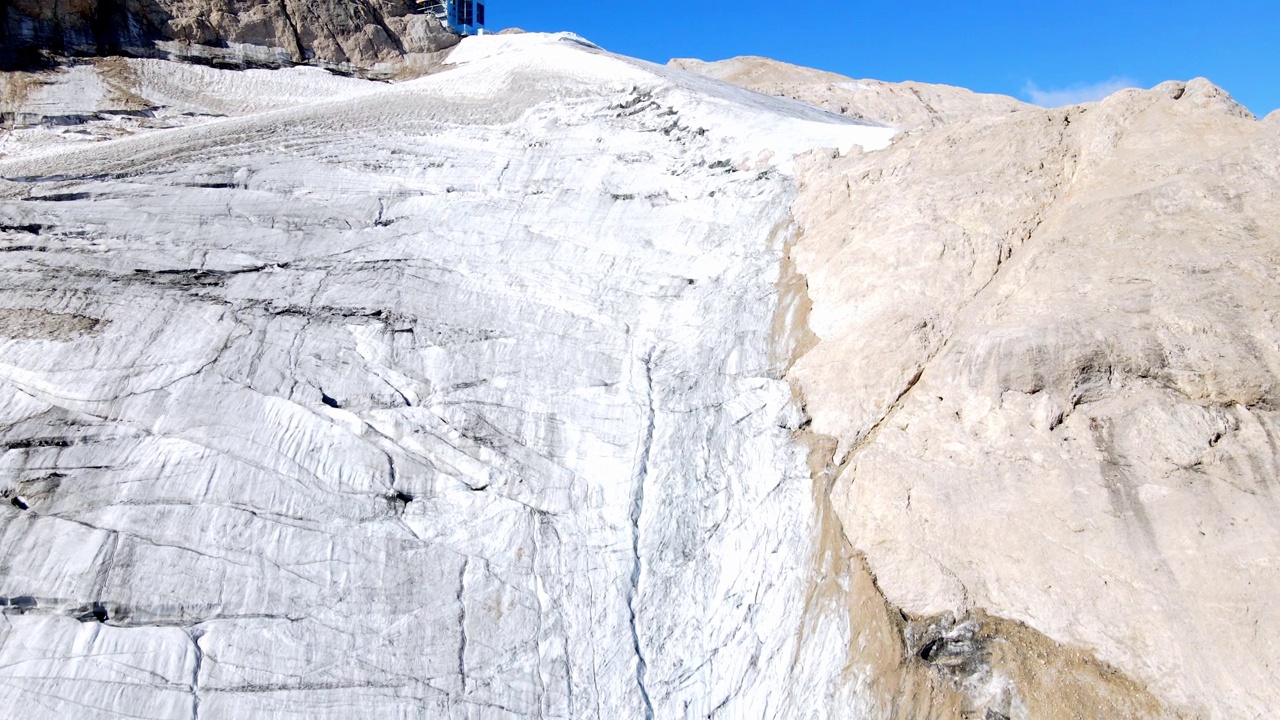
353,35
561,384
909,106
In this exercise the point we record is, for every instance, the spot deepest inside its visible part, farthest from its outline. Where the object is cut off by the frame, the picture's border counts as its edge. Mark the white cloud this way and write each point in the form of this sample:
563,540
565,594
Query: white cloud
1078,93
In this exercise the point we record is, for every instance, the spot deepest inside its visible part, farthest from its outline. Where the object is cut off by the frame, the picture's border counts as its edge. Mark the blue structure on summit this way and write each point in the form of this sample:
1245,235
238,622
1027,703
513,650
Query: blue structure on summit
464,17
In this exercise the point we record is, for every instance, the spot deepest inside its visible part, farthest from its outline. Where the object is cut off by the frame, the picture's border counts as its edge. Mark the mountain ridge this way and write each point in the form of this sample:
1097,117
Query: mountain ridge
558,383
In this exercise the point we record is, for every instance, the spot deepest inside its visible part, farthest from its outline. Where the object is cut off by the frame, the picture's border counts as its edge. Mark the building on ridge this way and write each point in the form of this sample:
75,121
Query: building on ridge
463,17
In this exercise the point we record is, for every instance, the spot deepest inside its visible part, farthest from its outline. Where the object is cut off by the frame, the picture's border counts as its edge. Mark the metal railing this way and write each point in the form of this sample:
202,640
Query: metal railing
439,8
461,16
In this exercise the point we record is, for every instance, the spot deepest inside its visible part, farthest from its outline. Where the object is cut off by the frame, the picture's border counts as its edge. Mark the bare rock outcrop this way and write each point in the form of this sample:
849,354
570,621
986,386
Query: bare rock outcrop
1046,348
355,35
907,105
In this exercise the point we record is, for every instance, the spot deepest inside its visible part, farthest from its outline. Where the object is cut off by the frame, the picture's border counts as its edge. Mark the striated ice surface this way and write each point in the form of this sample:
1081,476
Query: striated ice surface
453,398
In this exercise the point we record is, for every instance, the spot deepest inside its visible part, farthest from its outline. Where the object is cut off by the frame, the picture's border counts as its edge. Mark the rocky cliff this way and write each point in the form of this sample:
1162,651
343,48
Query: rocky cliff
558,384
1045,351
353,35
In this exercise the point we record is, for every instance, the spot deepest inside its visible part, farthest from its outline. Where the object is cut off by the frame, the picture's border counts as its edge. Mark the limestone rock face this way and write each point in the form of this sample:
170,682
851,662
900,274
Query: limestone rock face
1047,346
910,106
355,35
559,384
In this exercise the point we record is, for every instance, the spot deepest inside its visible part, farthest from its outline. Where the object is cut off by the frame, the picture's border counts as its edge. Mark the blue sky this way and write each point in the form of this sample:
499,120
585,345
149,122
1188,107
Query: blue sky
1036,50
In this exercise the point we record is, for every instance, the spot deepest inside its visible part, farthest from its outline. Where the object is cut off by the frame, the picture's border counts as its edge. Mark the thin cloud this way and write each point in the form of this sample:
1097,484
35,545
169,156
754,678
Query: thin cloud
1075,94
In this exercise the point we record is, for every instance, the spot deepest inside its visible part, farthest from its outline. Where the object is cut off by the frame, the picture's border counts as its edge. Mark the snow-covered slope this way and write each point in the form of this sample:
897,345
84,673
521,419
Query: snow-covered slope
110,98
459,398
559,384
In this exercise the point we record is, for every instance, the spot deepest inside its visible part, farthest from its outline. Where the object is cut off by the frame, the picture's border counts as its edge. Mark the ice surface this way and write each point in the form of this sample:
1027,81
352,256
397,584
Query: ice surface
456,398
105,99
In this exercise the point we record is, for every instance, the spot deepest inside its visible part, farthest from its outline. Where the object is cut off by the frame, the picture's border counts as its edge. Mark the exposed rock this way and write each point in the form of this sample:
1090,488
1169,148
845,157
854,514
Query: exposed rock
354,35
1047,346
1207,95
40,324
908,105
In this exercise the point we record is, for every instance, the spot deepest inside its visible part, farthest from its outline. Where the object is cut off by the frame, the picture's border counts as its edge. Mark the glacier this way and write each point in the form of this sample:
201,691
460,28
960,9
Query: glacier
459,397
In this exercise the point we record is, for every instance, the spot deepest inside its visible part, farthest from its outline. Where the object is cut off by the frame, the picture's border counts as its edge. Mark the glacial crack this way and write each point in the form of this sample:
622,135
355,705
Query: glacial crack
196,634
637,510
462,624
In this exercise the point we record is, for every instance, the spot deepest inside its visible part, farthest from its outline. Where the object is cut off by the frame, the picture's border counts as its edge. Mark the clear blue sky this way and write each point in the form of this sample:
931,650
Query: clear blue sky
1039,50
